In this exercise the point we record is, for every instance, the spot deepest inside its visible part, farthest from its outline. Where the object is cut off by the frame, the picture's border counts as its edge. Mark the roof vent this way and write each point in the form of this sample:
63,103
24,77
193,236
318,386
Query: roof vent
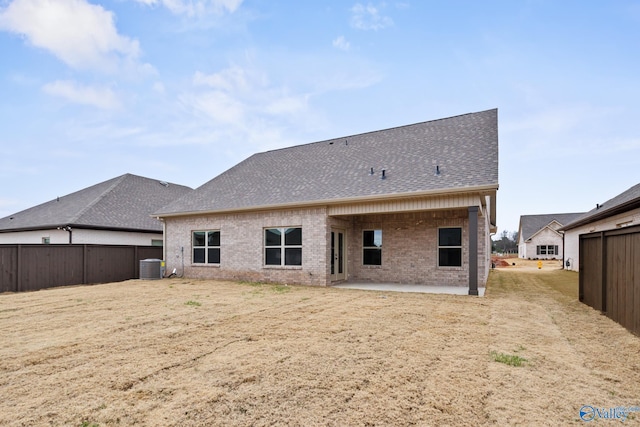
371,171
597,205
437,170
384,174
164,183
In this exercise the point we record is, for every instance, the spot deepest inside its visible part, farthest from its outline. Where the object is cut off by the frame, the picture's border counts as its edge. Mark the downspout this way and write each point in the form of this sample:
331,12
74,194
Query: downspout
67,228
563,251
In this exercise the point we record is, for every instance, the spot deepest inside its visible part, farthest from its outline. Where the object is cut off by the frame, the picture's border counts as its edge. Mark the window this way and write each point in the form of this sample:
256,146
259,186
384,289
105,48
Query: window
547,250
283,246
206,247
157,242
46,240
372,247
450,247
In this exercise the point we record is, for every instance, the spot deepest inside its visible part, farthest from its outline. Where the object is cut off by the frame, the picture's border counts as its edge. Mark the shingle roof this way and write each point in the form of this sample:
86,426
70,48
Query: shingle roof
464,147
124,202
531,224
627,200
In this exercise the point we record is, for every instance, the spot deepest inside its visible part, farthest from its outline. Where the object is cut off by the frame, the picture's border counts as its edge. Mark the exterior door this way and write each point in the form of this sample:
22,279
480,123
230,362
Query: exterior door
338,255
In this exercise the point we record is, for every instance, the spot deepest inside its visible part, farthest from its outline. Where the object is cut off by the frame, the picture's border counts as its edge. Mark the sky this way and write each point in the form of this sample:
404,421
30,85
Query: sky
182,90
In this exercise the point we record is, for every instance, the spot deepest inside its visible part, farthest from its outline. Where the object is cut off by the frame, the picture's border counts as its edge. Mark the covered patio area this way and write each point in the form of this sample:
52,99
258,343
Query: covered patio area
394,287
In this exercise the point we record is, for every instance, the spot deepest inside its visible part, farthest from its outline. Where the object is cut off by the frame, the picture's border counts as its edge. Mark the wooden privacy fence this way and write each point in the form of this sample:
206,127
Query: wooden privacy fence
33,267
610,274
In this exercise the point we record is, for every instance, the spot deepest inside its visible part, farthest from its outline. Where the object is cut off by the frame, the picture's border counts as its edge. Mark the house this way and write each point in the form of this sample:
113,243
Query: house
604,246
618,216
113,212
538,235
410,205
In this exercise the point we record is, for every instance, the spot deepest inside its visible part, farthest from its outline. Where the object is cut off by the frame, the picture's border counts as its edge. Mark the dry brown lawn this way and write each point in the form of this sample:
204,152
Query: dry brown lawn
198,353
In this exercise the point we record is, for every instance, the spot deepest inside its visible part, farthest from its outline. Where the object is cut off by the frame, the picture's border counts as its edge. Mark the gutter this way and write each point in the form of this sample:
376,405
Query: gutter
483,189
84,227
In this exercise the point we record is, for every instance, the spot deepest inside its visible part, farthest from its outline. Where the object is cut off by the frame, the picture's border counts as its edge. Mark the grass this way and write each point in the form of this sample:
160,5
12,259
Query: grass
312,356
507,359
278,288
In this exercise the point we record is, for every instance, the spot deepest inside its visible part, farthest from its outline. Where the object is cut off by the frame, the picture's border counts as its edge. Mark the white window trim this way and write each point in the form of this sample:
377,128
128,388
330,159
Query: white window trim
548,250
282,248
206,248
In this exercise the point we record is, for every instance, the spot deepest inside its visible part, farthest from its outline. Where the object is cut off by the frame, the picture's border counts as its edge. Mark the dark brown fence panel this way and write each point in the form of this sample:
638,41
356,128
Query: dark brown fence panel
33,267
110,263
635,262
615,259
591,271
8,268
46,266
610,261
627,285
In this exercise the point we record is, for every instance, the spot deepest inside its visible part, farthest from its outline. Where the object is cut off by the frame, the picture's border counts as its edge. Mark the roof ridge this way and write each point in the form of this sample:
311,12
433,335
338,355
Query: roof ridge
377,131
116,181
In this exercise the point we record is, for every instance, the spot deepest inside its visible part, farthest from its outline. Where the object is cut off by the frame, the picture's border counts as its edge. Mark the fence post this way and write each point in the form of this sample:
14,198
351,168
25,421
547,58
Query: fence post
84,264
18,268
136,263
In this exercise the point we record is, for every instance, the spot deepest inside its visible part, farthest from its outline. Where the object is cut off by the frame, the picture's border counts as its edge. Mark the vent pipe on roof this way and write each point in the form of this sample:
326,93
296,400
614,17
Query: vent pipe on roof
371,171
437,170
384,175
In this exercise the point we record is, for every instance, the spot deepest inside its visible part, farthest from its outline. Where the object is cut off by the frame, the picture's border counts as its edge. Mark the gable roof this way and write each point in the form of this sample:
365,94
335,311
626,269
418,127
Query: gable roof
625,201
532,224
465,148
124,203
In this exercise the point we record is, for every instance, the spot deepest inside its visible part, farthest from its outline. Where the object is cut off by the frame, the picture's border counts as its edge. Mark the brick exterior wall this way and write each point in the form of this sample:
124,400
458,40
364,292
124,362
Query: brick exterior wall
242,246
409,249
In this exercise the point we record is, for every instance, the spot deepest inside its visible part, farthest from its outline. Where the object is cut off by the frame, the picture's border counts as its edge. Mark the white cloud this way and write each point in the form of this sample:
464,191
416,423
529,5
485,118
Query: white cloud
158,87
193,8
233,78
287,105
341,43
82,35
236,93
216,105
103,98
368,17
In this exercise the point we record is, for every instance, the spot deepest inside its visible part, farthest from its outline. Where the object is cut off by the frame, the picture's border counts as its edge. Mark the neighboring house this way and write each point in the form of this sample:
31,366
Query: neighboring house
539,236
114,212
613,216
604,246
412,204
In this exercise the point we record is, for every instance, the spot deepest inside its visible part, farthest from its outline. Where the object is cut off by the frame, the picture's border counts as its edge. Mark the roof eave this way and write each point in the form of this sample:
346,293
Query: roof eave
624,207
480,189
80,227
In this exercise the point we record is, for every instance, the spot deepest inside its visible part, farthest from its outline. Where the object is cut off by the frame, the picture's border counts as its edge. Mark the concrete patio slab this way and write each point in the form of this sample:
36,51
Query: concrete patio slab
393,287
